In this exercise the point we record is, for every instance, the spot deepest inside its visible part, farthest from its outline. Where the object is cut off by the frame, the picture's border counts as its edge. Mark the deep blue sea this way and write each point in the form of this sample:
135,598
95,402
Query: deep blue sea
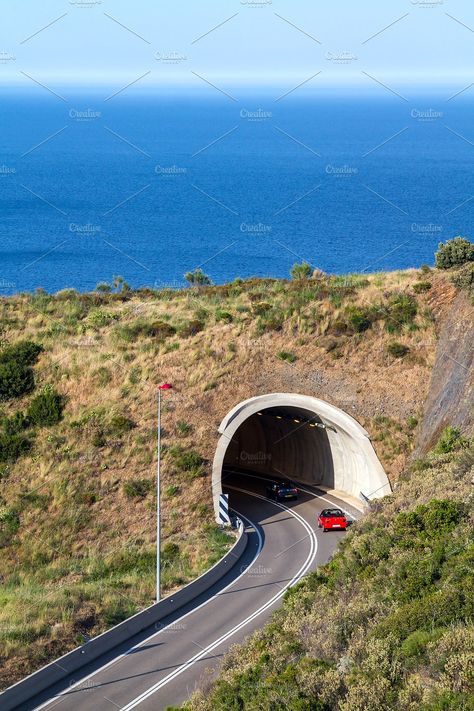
151,186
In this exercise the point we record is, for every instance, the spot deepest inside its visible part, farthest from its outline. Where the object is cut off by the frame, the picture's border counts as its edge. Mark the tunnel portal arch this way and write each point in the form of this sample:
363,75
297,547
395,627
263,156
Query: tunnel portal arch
300,437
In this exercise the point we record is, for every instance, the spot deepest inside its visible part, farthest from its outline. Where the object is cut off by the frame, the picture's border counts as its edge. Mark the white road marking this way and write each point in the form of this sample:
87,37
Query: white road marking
60,697
311,556
301,488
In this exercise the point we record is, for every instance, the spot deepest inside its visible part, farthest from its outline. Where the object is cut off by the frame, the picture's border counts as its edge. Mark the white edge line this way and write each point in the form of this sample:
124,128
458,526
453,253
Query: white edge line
311,556
157,632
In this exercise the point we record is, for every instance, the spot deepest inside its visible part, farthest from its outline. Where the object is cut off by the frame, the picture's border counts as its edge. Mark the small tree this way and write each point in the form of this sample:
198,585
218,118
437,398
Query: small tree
300,271
454,252
197,278
121,285
103,287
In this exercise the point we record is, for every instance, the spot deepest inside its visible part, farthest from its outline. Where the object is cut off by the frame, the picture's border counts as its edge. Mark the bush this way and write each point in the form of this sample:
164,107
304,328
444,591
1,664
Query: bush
397,350
454,252
270,321
450,440
15,380
12,446
359,319
100,318
23,353
401,310
464,278
119,424
286,356
9,525
187,461
46,408
197,278
191,328
184,428
137,488
169,553
300,271
225,316
158,329
15,424
421,286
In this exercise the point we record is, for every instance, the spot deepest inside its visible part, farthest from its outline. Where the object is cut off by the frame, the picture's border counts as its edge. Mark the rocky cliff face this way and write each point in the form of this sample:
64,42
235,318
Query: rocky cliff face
450,398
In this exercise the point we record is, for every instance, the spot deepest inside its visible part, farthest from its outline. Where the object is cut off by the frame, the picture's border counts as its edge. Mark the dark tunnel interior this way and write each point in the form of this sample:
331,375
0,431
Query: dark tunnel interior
282,442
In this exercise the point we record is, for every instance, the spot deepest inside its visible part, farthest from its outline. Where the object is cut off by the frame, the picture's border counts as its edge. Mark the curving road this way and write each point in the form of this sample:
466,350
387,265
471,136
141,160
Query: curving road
162,667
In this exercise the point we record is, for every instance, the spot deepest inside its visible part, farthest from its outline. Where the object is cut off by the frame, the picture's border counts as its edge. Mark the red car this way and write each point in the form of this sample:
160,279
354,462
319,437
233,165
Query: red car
330,519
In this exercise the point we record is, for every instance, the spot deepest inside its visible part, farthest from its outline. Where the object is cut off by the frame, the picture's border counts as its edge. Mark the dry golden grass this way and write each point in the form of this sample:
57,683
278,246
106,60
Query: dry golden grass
83,555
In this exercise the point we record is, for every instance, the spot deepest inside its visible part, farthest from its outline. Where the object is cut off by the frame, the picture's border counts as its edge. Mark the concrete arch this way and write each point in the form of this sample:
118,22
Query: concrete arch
303,438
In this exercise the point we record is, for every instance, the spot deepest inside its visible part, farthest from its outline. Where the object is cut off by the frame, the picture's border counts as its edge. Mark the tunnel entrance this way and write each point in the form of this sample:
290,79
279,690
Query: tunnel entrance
302,438
282,442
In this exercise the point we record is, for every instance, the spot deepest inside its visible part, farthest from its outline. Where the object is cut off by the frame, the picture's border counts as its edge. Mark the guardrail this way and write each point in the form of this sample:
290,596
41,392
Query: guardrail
26,689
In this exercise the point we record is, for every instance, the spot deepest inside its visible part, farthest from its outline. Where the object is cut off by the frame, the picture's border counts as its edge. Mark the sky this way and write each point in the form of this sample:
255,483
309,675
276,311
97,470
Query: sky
237,42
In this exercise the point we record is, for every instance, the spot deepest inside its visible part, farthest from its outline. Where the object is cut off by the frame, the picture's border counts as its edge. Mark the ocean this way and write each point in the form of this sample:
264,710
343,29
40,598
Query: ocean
152,186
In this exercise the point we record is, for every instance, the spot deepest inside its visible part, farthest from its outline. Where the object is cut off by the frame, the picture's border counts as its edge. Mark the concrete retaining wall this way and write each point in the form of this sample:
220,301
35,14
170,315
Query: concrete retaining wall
61,668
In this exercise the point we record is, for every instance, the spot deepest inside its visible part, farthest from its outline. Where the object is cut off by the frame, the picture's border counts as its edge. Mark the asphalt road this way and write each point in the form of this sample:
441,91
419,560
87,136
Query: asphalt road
163,665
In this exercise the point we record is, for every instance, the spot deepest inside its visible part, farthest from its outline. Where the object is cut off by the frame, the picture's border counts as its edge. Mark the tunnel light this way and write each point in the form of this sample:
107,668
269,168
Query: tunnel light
296,420
279,417
259,413
312,424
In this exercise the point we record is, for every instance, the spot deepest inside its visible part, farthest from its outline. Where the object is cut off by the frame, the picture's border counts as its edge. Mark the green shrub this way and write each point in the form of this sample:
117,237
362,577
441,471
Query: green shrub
415,644
191,328
172,490
261,308
286,356
270,321
421,286
137,488
197,278
401,310
23,353
15,380
100,318
102,376
46,408
157,329
454,252
103,287
9,525
397,350
187,461
431,520
184,428
12,446
450,440
300,271
225,316
119,424
15,424
359,319
464,278
169,553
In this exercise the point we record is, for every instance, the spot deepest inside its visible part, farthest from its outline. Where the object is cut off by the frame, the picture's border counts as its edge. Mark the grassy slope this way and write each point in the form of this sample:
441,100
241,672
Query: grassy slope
82,555
387,624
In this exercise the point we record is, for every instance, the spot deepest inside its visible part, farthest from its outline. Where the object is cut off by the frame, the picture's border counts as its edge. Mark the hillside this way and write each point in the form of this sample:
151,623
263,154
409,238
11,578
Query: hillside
77,466
387,624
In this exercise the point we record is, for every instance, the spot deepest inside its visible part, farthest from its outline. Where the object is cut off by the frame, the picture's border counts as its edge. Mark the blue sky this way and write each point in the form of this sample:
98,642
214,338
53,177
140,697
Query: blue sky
263,42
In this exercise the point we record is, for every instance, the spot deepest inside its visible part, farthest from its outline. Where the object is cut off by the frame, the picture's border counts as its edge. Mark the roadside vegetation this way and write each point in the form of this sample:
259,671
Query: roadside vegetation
78,377
388,623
